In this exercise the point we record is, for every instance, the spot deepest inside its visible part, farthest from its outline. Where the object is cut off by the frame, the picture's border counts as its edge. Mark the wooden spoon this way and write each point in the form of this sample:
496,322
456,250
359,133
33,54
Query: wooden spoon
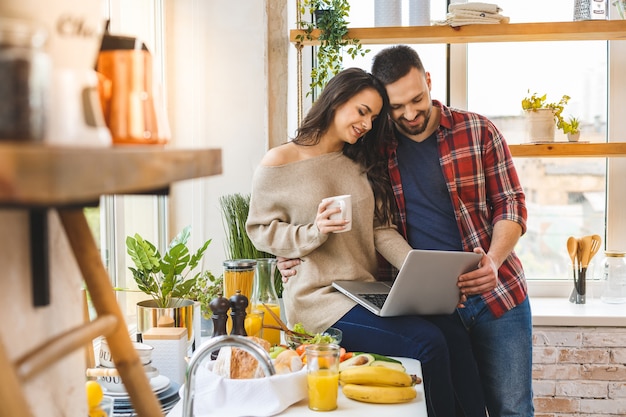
281,325
585,241
596,243
572,249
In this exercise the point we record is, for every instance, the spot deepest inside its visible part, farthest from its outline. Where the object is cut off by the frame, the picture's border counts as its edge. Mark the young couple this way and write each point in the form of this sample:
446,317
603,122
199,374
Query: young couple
423,176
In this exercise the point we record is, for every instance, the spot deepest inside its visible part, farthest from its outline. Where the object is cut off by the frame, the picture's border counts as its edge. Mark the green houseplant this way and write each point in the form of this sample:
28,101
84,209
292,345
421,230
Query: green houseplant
535,102
235,208
165,277
571,128
206,288
543,116
331,20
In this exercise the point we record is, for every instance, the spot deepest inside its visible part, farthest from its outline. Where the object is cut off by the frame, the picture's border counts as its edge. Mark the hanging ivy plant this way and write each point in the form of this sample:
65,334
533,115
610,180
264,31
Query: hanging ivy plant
331,20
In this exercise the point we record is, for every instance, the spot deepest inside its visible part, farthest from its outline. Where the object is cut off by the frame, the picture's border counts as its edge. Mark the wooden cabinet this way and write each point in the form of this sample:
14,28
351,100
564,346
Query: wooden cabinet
514,32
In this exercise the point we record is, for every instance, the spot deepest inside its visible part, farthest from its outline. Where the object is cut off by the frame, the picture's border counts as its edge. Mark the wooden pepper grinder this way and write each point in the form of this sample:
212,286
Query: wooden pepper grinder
238,305
219,306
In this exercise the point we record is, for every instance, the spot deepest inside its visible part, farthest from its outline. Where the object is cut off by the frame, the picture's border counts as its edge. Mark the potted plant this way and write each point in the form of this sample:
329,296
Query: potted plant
235,208
330,19
206,288
166,279
543,117
571,128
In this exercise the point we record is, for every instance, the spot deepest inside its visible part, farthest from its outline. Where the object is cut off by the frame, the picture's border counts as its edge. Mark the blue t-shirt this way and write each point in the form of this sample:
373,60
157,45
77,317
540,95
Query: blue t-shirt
430,215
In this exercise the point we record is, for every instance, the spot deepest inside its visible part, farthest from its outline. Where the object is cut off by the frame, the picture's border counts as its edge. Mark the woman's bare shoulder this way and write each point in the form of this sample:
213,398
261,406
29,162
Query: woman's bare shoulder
281,155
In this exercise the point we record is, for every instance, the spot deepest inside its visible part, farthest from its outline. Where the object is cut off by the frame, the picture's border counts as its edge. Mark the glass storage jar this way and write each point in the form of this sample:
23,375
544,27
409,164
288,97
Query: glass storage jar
239,275
614,278
24,81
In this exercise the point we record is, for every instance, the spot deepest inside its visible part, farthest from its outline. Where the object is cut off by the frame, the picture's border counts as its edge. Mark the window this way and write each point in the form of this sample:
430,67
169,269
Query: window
565,196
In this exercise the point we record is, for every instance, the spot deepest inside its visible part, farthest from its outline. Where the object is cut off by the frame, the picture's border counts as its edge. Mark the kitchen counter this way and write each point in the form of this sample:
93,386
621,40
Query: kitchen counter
350,408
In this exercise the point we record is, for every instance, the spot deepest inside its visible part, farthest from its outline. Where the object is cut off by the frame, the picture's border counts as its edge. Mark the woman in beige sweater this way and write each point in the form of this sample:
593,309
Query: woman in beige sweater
334,153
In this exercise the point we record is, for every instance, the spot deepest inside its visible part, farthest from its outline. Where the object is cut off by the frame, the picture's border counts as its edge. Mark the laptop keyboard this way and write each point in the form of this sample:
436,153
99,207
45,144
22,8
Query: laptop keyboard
377,299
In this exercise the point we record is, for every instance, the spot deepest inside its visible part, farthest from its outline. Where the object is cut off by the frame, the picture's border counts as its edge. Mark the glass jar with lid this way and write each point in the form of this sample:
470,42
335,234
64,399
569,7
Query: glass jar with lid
24,80
238,276
614,278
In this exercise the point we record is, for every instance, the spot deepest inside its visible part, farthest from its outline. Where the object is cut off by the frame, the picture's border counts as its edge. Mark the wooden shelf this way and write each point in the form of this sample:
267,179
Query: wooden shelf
512,32
45,176
567,149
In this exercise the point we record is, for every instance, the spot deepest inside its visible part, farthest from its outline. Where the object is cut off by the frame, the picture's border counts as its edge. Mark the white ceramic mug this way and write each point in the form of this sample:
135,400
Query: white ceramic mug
344,202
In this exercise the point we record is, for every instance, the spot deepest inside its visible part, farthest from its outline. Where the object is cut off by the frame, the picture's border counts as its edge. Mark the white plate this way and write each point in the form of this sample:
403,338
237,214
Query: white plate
158,383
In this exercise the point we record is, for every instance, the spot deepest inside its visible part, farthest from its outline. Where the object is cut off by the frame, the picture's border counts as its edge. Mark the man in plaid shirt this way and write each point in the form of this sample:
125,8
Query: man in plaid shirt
456,188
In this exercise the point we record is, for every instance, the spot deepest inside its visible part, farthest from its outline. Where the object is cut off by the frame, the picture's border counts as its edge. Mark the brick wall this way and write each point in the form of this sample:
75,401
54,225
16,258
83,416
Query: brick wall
579,371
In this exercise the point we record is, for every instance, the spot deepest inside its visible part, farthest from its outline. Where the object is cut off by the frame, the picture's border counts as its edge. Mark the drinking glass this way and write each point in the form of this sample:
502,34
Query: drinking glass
322,376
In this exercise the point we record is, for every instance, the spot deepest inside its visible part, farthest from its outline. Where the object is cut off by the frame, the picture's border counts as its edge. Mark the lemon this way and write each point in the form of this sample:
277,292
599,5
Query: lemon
94,394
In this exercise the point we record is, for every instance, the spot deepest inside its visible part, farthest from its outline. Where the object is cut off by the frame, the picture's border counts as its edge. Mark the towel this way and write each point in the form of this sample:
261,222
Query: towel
219,397
478,7
473,13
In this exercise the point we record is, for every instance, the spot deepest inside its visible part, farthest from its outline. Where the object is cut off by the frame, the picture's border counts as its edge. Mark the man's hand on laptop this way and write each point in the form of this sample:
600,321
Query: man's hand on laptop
286,266
479,280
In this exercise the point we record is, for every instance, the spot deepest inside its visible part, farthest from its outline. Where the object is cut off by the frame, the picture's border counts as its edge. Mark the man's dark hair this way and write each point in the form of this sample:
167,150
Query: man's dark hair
393,63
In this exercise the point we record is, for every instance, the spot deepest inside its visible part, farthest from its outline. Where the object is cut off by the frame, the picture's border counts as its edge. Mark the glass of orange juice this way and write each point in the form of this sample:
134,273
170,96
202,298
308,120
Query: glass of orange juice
253,323
322,376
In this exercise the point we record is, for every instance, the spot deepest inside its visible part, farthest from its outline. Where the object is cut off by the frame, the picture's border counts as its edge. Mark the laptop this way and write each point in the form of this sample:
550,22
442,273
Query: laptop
426,284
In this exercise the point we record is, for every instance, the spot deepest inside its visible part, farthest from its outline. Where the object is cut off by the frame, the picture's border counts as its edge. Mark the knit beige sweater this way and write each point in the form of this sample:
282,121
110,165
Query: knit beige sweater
281,221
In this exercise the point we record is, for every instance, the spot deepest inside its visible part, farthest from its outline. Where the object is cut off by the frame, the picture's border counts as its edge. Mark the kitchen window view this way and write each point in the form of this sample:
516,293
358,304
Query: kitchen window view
565,196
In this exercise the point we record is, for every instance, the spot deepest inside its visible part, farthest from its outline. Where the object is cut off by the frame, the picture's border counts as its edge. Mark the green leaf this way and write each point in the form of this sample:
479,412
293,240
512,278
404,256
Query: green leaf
164,277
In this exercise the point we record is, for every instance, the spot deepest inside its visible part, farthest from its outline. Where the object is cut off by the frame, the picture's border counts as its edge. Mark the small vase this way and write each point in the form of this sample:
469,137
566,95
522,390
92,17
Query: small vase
573,137
541,125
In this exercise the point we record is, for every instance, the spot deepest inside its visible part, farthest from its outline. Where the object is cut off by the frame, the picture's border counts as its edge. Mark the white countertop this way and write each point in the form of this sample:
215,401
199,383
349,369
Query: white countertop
350,408
553,311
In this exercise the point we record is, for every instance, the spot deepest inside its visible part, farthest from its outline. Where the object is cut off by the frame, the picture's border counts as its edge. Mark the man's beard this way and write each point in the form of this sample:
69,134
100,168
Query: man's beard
404,126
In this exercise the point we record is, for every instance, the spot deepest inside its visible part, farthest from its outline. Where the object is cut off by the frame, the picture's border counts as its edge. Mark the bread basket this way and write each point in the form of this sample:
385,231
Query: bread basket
207,394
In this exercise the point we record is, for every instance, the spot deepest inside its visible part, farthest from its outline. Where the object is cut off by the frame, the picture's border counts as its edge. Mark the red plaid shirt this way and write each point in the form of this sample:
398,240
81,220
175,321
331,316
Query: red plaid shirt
482,181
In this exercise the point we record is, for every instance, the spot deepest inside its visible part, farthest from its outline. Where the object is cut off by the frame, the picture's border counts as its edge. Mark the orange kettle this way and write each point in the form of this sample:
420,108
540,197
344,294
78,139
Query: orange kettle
124,68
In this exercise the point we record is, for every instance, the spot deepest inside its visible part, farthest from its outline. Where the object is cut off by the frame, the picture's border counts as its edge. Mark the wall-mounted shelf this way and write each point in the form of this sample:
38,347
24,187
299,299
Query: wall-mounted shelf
46,176
567,149
511,32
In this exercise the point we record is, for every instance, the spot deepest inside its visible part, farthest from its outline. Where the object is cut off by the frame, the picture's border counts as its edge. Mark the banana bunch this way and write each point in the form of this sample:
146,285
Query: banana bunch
377,384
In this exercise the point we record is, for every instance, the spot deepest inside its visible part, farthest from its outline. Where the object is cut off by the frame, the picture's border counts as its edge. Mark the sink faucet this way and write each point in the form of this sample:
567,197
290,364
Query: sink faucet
215,343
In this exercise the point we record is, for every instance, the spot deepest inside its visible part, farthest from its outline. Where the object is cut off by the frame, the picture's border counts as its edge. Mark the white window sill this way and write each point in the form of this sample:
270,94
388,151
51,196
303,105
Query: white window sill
559,311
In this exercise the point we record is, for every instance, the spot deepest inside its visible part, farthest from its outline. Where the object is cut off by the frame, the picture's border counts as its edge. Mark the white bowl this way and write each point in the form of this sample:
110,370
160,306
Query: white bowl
144,351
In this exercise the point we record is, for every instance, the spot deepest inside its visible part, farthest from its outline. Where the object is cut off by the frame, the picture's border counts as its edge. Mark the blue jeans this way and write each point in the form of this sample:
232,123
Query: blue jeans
468,388
405,336
502,348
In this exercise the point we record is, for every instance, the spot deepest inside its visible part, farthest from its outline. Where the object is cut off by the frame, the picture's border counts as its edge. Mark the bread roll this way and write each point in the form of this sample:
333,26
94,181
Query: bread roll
287,361
236,363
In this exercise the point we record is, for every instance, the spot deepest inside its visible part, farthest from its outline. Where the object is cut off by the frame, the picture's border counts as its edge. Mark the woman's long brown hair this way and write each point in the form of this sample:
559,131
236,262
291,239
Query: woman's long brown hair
368,150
